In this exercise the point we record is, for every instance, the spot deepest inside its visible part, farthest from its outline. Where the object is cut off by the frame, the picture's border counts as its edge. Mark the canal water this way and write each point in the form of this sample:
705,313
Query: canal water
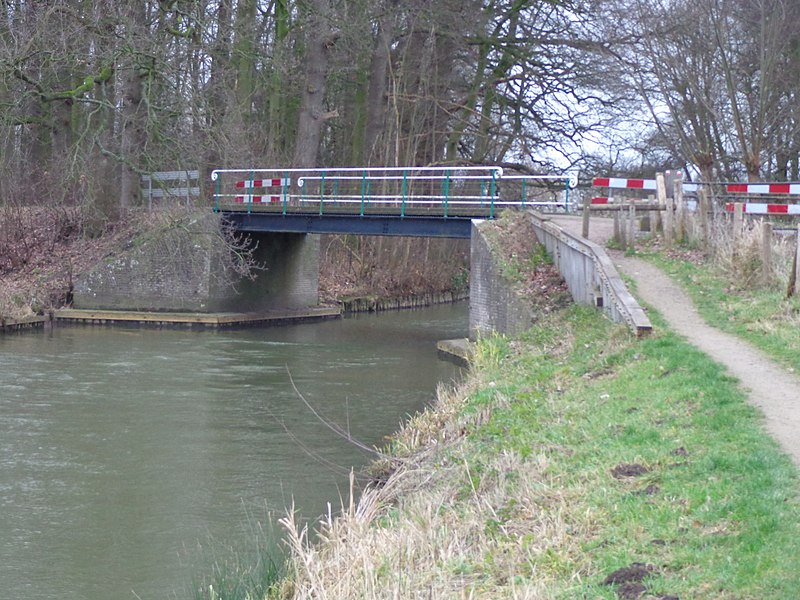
126,453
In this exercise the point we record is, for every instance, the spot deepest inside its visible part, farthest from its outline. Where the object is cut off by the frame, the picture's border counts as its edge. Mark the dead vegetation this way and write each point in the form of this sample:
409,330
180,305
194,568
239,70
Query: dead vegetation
43,249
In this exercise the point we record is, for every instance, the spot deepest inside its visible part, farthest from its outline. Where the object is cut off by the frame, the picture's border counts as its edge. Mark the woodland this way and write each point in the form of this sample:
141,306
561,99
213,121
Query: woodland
95,93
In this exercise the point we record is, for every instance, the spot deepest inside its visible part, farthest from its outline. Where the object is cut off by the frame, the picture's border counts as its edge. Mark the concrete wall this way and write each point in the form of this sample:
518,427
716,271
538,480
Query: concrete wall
183,267
590,274
494,306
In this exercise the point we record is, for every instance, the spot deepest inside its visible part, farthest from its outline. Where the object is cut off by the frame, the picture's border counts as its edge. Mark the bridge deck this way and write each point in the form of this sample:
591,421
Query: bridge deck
417,201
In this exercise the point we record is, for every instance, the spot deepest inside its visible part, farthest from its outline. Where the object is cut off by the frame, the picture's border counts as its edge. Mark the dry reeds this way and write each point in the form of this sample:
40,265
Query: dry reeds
446,524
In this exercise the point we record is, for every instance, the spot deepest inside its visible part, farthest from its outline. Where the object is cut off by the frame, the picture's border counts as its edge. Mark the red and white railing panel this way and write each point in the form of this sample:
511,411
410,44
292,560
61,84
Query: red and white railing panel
630,184
786,189
634,184
263,183
612,200
752,208
250,199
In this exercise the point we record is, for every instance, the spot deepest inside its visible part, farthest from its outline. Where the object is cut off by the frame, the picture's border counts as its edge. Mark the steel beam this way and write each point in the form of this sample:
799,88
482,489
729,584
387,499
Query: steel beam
453,227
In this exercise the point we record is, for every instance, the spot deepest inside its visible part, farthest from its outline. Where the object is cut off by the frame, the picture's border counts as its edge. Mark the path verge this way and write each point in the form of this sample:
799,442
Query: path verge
770,388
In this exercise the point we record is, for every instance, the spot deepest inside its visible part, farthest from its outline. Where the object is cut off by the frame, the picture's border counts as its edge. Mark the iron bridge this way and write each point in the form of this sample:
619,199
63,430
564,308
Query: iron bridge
398,201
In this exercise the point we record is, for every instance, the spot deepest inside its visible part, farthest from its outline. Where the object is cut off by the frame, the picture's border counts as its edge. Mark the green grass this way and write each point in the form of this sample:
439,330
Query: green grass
251,570
717,511
763,317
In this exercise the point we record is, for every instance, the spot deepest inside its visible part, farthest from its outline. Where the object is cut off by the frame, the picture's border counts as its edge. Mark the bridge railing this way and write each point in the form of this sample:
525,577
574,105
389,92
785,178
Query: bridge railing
402,191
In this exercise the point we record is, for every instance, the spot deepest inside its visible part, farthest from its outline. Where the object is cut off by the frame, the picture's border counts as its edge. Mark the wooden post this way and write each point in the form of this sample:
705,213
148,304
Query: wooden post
661,193
587,210
703,208
617,236
766,253
680,226
631,227
790,291
738,220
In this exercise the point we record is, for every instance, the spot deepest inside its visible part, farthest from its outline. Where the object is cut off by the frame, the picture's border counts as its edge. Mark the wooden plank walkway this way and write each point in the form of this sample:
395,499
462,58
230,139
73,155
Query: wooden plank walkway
178,319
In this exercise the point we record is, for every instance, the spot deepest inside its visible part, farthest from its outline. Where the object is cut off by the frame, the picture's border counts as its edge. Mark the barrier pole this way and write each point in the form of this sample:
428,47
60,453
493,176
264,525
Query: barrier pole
250,189
491,210
285,191
216,195
446,185
322,193
405,189
363,190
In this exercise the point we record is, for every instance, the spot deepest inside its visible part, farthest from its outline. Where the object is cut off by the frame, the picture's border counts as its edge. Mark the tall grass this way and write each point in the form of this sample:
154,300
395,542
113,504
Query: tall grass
253,569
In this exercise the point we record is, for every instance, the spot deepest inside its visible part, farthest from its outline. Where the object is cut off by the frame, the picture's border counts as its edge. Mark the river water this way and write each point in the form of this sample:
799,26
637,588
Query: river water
125,452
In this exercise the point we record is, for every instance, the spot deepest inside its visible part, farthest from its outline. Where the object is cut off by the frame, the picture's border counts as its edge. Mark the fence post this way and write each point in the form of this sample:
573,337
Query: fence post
703,209
587,209
766,252
666,205
738,219
680,225
631,226
795,266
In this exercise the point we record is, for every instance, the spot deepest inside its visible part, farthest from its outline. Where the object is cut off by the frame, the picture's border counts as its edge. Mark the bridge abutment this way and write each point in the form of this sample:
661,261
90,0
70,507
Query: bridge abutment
494,305
185,266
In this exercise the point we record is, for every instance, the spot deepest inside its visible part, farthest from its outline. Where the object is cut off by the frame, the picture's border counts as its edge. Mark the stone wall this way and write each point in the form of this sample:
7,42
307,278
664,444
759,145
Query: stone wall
185,266
494,306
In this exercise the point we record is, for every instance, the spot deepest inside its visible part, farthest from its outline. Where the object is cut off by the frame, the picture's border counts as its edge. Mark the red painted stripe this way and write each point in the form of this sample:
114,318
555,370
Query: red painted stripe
779,188
737,188
636,183
599,200
601,181
778,209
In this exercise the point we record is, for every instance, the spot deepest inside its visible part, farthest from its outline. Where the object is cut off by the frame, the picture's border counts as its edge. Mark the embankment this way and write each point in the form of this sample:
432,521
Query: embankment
577,460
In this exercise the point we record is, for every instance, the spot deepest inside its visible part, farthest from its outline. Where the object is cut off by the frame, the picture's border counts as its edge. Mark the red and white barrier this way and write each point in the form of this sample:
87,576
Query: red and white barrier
752,208
263,183
612,200
631,184
634,184
790,189
250,199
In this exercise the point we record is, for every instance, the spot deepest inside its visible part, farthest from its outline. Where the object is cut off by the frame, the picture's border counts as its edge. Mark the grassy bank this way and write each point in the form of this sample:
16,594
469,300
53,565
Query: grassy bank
577,462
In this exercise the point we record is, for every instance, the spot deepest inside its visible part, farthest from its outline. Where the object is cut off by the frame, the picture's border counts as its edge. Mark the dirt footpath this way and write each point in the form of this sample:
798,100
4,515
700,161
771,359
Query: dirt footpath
771,388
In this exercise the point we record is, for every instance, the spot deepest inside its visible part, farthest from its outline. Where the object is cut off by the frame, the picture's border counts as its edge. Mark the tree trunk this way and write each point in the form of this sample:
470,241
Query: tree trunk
321,37
133,113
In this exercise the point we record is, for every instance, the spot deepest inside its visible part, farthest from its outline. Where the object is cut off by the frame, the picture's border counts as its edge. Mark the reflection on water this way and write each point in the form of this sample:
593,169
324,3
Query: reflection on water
122,449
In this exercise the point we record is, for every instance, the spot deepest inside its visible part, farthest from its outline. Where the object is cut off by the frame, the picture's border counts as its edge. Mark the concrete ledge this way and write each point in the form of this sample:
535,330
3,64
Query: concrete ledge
458,351
590,274
200,320
32,322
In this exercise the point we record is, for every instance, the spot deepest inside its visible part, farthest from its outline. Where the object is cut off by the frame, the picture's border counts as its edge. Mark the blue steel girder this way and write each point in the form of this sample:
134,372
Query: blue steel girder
392,225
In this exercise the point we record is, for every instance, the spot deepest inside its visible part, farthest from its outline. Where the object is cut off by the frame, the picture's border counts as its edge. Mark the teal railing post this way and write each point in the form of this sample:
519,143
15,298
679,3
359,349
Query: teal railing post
250,192
405,189
285,191
216,194
494,187
566,195
524,181
363,190
322,193
446,185
336,192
